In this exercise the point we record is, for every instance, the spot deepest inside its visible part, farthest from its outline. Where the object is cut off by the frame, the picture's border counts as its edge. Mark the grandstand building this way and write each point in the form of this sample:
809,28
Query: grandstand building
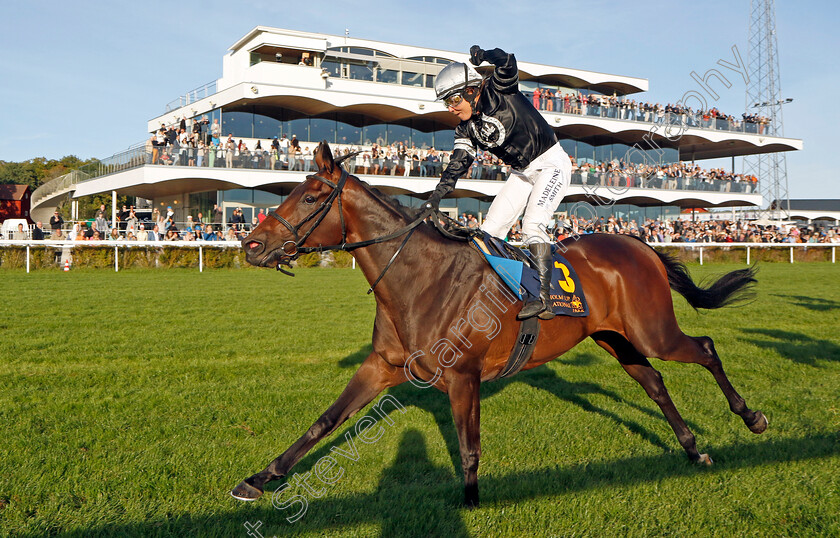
360,94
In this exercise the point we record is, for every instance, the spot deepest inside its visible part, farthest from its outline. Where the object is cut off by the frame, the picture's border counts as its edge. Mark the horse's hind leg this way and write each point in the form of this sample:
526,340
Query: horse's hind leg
637,365
701,350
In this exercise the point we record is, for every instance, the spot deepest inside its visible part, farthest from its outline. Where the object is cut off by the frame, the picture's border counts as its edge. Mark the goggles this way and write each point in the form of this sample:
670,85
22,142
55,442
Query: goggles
453,100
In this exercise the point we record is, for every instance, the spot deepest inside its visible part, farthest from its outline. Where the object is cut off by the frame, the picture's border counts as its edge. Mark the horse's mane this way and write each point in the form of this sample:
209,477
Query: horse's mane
409,213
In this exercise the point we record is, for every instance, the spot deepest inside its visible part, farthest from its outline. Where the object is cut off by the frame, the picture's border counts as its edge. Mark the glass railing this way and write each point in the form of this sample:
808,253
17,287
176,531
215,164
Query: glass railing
192,96
211,157
620,180
696,120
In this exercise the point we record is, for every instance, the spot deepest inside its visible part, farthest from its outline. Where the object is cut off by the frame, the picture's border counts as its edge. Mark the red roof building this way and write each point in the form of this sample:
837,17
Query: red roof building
15,202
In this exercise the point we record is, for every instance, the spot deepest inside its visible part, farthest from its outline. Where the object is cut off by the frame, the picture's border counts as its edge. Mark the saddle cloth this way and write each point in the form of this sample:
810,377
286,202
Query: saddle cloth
516,269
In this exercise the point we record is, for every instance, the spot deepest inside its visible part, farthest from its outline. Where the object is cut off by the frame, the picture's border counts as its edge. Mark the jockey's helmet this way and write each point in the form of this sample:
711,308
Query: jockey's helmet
454,78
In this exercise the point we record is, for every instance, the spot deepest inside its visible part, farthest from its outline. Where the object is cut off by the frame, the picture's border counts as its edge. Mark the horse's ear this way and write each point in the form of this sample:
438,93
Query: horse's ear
324,157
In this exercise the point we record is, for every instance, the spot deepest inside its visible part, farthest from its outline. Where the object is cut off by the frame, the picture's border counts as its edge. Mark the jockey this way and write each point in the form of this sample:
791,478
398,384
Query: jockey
497,118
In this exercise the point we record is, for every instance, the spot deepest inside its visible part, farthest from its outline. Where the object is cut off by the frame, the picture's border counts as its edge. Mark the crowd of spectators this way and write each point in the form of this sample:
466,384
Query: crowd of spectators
612,106
404,159
162,227
680,175
684,231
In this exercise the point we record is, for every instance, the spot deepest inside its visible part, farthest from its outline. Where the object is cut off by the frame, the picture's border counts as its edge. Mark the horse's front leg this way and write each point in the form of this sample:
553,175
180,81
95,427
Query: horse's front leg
464,399
372,377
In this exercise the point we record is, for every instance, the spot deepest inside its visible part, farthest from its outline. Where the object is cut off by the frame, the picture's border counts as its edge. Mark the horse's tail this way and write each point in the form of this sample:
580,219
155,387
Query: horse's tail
731,288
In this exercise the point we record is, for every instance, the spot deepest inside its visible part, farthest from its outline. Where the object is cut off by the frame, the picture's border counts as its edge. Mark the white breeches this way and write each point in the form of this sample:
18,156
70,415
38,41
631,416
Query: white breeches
537,190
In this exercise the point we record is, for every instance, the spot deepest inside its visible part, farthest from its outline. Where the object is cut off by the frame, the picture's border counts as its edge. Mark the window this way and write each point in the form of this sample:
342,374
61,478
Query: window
332,66
360,71
347,134
375,134
265,127
238,124
412,79
388,76
399,133
321,129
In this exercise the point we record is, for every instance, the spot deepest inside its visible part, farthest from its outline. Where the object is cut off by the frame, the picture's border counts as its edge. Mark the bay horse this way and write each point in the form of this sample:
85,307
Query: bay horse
424,294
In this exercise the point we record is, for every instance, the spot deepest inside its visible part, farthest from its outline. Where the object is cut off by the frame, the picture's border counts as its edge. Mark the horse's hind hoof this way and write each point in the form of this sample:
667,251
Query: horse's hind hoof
759,423
246,492
705,460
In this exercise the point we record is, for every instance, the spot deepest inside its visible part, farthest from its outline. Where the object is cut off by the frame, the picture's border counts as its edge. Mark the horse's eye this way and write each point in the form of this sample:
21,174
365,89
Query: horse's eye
309,199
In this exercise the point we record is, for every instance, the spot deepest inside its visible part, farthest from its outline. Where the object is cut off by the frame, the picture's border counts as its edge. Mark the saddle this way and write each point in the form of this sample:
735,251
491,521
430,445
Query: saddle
518,271
516,268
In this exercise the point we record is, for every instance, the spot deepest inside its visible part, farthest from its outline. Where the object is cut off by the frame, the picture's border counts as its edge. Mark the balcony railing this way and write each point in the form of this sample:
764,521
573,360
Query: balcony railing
141,155
696,120
192,96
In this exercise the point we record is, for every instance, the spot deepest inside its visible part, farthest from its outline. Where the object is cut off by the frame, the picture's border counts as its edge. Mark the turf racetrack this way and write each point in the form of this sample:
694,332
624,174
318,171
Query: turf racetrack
131,403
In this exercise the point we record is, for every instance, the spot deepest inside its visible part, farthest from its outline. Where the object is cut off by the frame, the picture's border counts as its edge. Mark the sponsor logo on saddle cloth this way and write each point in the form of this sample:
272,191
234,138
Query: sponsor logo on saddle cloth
511,264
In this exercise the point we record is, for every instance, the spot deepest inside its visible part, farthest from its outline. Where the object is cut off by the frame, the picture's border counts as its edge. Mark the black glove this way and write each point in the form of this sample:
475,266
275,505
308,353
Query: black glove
433,202
476,55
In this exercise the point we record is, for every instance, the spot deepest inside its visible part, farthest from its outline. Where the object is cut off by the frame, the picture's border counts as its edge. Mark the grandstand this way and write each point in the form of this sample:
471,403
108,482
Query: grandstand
373,96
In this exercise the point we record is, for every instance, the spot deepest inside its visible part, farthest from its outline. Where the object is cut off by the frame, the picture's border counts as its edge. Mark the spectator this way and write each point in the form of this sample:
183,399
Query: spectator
38,232
56,222
209,235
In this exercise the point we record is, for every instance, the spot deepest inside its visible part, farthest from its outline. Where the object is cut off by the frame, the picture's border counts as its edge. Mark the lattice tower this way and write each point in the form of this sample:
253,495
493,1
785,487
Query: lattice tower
764,98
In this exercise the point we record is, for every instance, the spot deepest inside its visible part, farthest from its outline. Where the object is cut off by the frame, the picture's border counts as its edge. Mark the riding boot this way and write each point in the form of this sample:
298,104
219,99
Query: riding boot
541,253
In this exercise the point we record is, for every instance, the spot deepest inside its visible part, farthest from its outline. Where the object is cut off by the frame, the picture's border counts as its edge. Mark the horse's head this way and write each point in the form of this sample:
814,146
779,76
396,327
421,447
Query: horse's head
309,217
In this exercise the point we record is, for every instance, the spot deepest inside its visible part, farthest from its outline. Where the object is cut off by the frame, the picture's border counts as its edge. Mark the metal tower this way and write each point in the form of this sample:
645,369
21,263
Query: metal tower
764,98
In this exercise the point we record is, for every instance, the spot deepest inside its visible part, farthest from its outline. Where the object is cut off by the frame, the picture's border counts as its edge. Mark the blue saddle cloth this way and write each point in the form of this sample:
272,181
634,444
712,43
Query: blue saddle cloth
514,267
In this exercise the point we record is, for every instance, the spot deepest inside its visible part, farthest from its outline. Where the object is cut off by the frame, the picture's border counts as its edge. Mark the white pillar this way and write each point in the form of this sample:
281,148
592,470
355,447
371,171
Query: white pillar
113,210
701,255
116,260
200,259
27,258
748,255
791,254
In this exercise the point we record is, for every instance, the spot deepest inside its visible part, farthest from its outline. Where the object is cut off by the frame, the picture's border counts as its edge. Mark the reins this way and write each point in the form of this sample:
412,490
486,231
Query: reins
320,213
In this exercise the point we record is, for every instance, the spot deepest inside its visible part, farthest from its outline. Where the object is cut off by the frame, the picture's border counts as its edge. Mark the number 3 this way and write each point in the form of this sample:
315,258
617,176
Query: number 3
567,284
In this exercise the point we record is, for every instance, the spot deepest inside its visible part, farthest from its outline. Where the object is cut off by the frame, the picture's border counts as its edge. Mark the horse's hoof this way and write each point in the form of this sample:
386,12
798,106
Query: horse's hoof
471,497
246,492
759,424
705,459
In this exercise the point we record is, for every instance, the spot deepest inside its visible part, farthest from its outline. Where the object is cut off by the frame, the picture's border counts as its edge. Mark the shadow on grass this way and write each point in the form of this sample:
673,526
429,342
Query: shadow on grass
542,377
817,304
415,498
797,347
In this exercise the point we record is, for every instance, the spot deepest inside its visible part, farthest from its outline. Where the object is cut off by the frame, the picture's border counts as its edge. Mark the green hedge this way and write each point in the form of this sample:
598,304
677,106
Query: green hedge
757,254
101,257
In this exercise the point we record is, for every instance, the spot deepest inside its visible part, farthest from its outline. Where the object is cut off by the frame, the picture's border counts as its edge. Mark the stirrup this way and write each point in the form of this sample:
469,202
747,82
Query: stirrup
532,308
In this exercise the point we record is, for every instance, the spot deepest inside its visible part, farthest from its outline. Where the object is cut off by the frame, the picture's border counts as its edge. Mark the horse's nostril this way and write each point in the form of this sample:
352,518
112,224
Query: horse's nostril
253,245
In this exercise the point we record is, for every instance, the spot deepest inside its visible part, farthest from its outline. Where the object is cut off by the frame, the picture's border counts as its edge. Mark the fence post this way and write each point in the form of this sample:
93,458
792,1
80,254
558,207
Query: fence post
791,254
701,255
832,254
748,255
27,258
116,259
200,259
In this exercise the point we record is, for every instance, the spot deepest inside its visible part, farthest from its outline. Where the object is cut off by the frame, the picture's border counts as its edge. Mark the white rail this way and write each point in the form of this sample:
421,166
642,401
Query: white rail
201,245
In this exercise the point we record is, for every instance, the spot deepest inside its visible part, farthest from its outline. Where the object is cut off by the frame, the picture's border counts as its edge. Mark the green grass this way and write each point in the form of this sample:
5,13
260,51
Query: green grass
131,403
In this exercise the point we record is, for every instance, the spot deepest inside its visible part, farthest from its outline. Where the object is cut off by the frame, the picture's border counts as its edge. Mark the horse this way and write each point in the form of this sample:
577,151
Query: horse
443,320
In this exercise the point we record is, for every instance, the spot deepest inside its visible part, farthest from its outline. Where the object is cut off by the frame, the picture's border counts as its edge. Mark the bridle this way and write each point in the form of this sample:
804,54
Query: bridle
320,213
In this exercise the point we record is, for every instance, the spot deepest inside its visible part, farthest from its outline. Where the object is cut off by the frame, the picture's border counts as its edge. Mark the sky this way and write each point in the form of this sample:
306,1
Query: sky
84,78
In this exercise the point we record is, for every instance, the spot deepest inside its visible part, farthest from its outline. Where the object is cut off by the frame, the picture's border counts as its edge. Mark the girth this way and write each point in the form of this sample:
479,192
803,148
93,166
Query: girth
529,331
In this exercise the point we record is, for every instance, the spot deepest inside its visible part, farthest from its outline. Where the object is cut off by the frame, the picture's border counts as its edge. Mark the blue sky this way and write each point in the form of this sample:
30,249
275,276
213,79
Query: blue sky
83,78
